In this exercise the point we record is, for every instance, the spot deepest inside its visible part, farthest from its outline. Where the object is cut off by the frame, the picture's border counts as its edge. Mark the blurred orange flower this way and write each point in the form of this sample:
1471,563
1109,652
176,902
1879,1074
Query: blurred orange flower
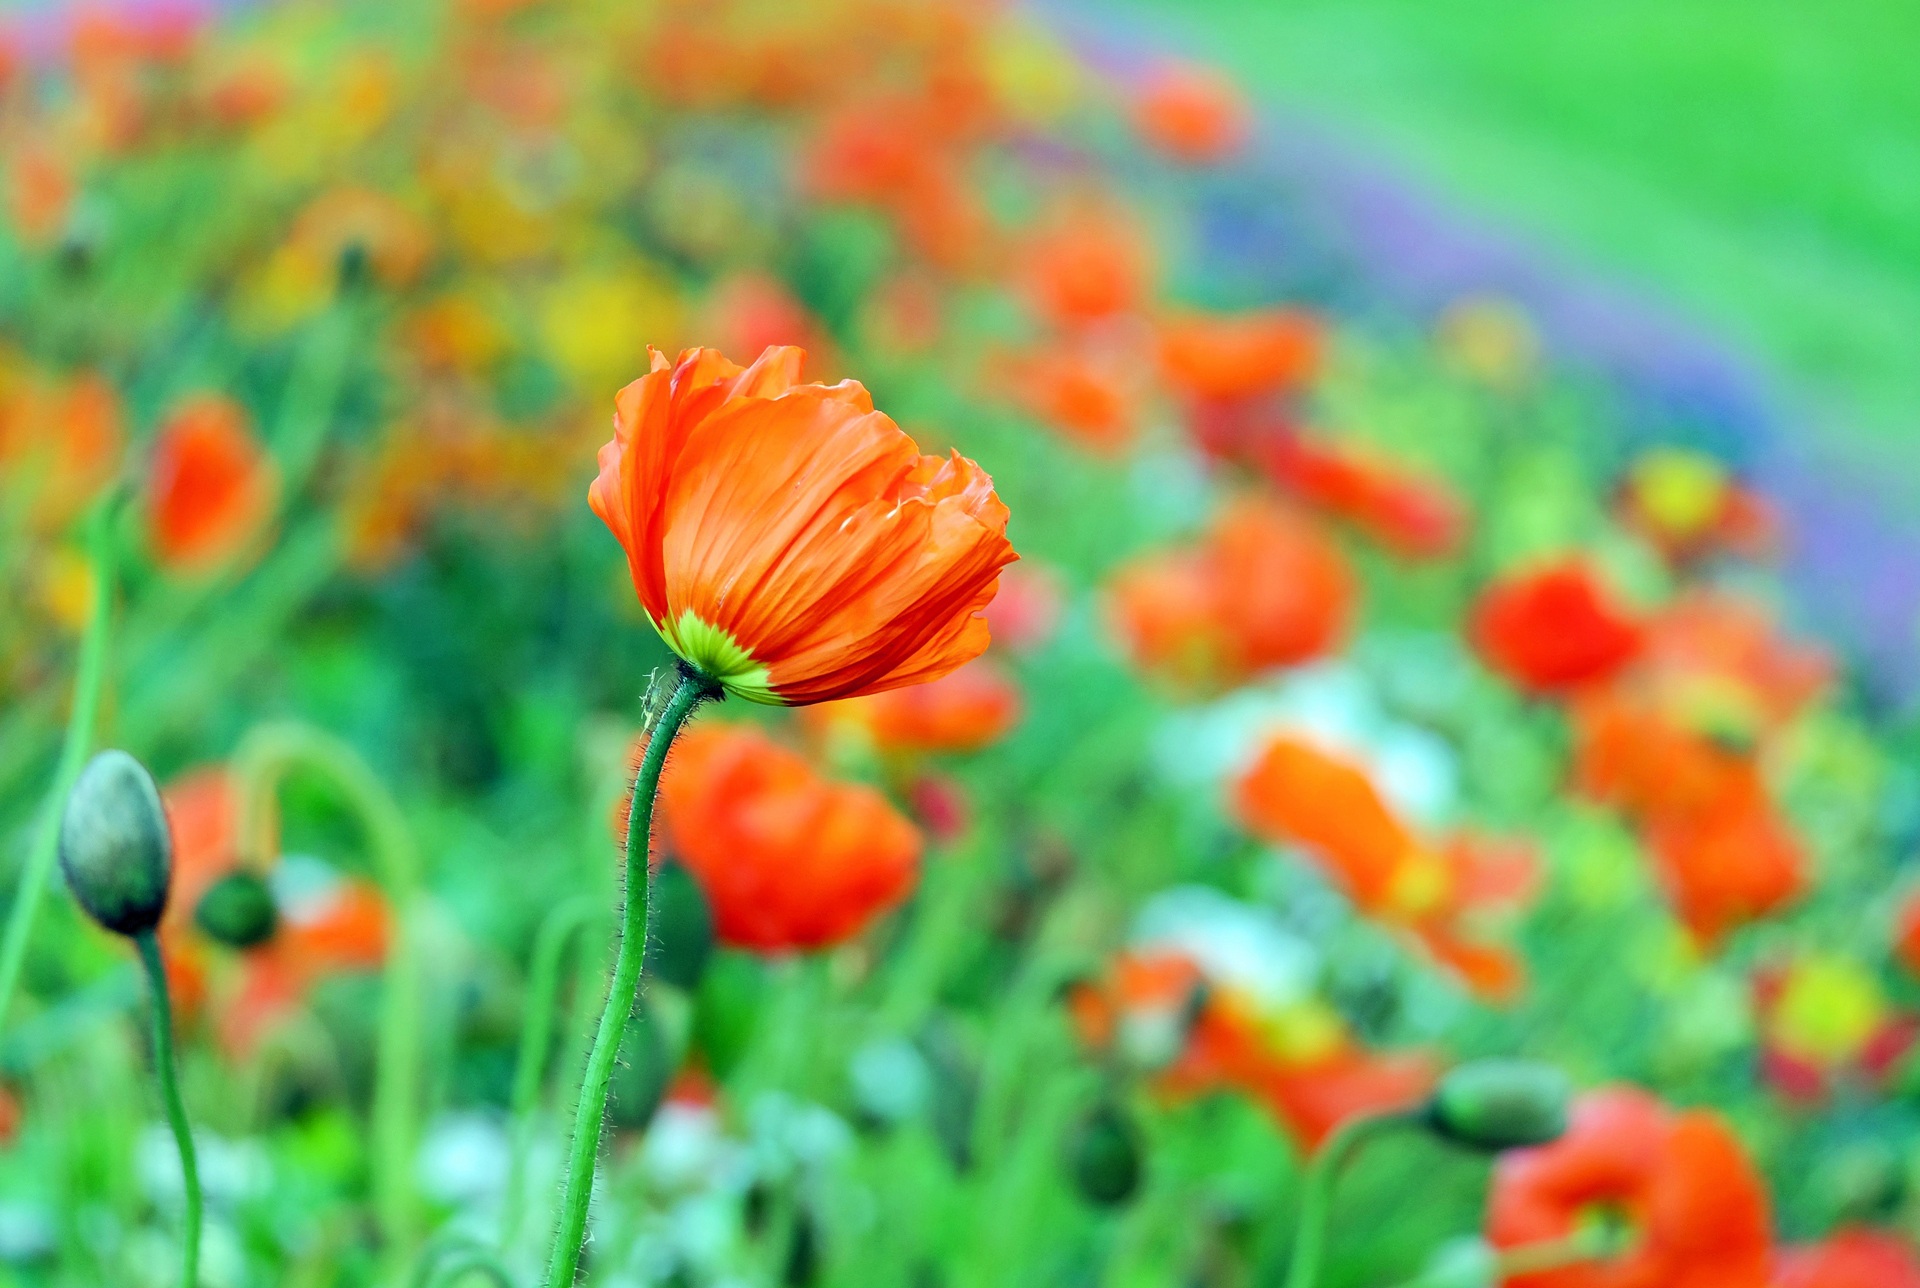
963,711
1854,1257
1242,355
1089,263
1265,587
1733,861
789,541
1554,629
1297,794
1159,1010
344,928
789,860
1192,114
1092,394
1697,1208
211,485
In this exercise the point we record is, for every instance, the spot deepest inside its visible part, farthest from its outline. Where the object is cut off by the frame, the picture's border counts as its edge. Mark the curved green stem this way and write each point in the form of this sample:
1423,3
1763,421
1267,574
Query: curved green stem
90,677
689,691
536,1036
447,1264
1316,1190
270,755
163,1068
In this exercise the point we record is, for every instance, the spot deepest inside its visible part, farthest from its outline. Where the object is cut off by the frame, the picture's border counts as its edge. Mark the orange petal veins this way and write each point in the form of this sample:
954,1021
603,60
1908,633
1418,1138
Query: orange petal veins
789,540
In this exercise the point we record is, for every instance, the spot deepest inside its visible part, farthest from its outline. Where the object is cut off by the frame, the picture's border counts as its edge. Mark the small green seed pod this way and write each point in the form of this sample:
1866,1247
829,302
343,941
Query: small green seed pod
115,847
1104,1153
238,911
1492,1105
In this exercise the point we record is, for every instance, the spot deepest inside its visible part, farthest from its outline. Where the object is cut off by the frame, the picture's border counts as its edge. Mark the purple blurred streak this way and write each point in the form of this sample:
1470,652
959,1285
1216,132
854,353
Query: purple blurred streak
1308,195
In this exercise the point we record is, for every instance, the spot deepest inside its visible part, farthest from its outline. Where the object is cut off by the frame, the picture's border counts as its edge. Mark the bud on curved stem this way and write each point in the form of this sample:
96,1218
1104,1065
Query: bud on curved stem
687,691
1491,1105
268,757
238,911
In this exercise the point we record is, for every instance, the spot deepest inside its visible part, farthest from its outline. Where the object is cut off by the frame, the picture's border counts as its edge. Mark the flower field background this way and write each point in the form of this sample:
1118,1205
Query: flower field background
1417,732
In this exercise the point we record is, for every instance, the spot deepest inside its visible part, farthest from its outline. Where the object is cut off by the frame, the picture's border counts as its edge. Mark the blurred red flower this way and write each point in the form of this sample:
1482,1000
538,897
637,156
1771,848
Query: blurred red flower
1554,629
1851,1258
789,860
1697,1209
211,487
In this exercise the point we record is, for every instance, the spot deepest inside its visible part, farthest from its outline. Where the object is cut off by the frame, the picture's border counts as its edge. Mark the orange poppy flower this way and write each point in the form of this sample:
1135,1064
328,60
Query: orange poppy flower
1630,753
1297,794
1735,861
1192,114
964,711
1698,1208
1856,1257
212,486
1265,587
1088,264
1240,356
1090,396
788,859
790,542
1554,629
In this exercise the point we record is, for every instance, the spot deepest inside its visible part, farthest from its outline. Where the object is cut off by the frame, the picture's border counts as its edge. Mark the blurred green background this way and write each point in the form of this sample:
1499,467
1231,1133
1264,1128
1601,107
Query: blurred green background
1754,164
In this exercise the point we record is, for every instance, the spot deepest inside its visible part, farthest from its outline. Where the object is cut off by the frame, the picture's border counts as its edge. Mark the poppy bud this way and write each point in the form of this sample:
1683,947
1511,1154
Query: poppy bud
115,848
1462,1263
1103,1155
238,911
1493,1105
682,934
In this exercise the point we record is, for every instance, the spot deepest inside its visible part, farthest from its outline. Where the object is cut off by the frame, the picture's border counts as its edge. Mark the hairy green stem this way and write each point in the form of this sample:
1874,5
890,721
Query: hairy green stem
1316,1190
536,1036
689,691
90,678
268,756
163,1068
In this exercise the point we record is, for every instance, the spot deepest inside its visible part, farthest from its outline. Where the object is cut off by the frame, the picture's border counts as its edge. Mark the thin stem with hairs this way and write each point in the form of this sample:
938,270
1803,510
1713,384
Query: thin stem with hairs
689,690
